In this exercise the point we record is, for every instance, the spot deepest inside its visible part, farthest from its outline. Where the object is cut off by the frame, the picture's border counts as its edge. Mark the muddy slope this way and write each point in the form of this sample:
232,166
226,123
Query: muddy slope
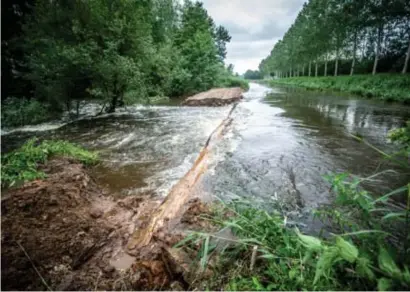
64,233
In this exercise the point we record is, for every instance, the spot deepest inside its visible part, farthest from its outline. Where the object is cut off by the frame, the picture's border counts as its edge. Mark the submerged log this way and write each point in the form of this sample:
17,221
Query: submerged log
215,97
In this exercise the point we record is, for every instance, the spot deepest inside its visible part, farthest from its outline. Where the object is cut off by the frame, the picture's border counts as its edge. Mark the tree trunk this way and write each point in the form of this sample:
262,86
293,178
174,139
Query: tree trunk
337,62
336,66
379,41
113,104
310,68
325,73
354,53
316,68
406,62
303,69
78,108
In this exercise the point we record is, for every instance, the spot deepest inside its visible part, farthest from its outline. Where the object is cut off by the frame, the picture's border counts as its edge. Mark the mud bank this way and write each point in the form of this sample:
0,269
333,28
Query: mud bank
65,233
215,97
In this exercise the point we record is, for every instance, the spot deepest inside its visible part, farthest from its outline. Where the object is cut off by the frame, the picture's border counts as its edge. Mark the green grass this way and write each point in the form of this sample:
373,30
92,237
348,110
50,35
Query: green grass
366,246
22,164
390,87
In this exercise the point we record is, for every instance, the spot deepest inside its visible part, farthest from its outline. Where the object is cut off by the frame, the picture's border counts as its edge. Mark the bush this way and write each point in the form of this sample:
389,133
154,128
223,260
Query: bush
17,112
391,87
22,164
232,81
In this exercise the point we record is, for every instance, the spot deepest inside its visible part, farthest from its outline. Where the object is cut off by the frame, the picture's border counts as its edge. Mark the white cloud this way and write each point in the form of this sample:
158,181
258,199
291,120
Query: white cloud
255,26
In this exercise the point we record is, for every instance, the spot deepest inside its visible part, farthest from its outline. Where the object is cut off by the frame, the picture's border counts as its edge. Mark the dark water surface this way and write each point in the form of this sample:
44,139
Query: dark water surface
279,146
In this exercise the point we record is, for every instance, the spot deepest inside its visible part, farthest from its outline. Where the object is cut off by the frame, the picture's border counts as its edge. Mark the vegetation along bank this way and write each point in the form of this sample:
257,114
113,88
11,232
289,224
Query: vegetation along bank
389,87
332,40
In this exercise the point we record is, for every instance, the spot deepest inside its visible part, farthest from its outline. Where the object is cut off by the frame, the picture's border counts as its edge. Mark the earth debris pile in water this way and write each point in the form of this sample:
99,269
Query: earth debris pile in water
215,97
64,233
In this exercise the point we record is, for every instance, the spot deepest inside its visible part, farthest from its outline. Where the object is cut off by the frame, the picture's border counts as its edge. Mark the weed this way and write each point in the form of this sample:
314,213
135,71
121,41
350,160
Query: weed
22,164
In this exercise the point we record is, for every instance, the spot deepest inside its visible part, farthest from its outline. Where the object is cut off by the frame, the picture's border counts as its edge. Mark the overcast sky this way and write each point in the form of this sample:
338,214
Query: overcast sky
255,26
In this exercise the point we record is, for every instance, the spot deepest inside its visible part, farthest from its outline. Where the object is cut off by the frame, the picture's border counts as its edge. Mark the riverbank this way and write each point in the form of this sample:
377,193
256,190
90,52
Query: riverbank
63,231
389,87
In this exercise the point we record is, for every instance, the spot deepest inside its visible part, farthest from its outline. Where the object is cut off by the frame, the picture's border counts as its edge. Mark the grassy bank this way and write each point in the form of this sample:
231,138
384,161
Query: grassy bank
391,87
23,164
365,244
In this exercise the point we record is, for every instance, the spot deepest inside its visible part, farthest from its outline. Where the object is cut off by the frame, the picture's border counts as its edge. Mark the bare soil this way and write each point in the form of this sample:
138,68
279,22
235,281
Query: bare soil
215,97
65,233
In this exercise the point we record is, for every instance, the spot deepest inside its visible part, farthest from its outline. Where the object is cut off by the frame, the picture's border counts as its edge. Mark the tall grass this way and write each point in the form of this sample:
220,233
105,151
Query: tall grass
23,164
366,246
390,87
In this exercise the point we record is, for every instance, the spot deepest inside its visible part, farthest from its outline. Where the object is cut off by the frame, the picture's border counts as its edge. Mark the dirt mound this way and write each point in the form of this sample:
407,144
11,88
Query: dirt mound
64,233
215,97
47,224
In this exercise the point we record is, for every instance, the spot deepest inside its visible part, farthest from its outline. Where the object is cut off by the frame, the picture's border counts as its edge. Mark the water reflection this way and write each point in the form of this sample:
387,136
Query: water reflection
292,138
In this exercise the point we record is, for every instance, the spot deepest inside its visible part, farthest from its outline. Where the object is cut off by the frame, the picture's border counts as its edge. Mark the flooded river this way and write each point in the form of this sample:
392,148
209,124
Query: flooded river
280,144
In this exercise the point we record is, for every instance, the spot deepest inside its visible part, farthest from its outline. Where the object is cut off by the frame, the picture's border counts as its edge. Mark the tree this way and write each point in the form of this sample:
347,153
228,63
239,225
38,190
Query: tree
363,32
253,75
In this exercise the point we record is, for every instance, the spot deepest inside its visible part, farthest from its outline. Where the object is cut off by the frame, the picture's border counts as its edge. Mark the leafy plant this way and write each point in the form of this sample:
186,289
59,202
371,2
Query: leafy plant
23,164
19,112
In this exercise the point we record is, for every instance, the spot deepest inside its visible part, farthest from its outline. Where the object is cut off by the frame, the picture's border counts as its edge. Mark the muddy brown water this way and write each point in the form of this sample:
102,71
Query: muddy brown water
280,144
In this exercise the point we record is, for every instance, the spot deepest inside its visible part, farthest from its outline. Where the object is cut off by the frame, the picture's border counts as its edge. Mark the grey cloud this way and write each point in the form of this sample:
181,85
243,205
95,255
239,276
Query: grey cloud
269,30
255,26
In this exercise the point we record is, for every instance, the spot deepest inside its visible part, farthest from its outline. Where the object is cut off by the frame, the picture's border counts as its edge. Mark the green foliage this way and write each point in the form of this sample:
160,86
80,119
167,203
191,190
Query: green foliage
22,164
368,36
253,75
401,136
19,112
392,87
232,81
119,52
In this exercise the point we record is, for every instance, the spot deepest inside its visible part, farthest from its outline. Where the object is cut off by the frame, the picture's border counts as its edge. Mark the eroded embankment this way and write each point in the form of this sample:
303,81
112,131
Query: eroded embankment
65,233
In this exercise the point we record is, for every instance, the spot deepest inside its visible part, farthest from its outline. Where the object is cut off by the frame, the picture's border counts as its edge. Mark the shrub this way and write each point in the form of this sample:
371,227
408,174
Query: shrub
22,164
232,81
19,112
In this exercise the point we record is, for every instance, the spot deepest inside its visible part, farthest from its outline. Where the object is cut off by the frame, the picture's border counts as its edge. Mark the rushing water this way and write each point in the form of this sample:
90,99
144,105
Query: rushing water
277,149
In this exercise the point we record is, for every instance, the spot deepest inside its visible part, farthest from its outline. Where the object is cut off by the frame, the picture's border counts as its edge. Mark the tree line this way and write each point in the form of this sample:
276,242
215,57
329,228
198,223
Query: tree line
331,37
117,51
252,75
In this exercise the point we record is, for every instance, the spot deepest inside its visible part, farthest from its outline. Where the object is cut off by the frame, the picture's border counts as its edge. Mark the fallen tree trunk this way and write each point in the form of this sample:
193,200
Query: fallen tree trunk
169,213
215,97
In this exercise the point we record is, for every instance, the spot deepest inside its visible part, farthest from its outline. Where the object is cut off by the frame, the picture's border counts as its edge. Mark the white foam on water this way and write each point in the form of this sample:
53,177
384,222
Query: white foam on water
163,181
34,128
